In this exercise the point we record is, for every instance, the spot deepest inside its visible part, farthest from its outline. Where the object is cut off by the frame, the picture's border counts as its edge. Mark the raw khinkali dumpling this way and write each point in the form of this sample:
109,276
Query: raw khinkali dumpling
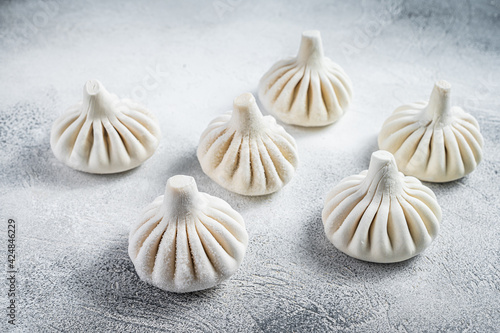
433,141
308,90
381,215
104,134
246,152
187,240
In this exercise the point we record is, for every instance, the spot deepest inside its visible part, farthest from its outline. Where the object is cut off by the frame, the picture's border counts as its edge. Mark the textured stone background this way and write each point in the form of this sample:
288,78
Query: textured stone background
74,271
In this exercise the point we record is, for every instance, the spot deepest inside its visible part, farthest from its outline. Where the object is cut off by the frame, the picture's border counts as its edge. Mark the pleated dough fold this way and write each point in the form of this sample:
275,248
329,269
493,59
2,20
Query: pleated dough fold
187,240
246,152
433,141
104,134
308,90
380,215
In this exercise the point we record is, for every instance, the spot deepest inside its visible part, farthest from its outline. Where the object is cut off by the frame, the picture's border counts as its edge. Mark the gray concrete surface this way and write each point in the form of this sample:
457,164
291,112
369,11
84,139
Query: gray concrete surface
74,272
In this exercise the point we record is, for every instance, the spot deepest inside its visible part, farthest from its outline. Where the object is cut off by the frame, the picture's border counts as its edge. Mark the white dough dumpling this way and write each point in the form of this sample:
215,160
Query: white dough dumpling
381,215
433,141
187,240
307,90
104,134
246,152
